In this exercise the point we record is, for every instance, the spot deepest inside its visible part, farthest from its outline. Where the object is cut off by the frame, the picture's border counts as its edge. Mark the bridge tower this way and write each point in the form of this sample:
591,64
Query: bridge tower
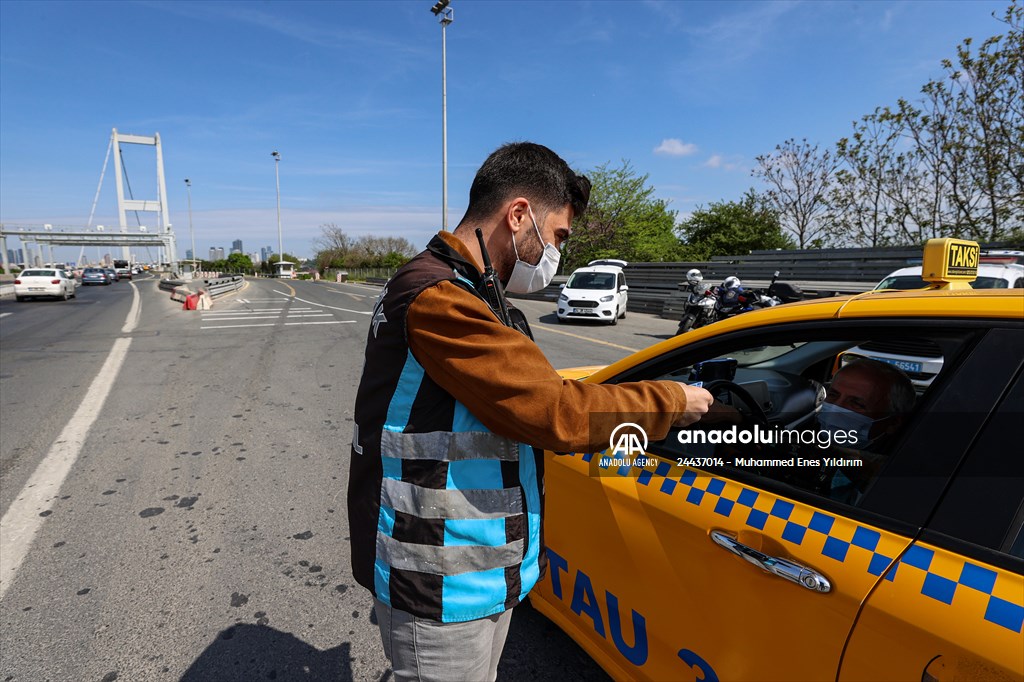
158,205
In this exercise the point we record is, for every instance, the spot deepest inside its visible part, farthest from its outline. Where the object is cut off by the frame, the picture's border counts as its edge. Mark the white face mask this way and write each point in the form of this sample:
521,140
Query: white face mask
834,418
527,278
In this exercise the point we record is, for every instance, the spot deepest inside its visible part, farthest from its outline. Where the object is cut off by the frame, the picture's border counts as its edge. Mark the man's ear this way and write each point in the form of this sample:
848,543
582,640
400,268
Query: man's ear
517,214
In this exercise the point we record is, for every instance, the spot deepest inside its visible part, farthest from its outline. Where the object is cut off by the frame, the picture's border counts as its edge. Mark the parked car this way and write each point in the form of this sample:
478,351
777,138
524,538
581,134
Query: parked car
995,271
596,292
96,276
707,559
44,282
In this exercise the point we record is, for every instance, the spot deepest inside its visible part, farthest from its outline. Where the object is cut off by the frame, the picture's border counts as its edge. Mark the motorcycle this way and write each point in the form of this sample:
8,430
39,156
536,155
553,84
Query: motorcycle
731,299
699,309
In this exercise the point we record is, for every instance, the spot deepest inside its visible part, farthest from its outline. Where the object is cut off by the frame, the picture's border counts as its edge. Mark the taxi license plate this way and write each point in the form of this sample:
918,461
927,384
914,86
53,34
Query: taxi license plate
36,288
581,311
905,365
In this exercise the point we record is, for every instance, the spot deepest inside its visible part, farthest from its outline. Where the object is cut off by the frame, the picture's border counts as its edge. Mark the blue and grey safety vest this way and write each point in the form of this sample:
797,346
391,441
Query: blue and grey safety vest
445,515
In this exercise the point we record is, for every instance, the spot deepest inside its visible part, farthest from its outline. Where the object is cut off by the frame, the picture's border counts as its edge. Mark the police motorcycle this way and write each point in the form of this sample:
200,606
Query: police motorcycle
699,308
732,299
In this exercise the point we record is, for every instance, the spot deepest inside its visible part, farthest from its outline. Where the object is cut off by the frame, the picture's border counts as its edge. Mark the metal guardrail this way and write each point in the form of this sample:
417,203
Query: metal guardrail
222,285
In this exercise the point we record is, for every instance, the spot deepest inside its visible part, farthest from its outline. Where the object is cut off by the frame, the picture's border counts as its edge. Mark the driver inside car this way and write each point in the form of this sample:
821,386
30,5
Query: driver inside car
865,406
871,399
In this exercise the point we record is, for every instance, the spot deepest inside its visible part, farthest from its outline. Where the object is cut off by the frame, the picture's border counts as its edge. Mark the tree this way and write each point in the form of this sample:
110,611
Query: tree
332,247
800,178
238,262
624,220
950,163
864,206
733,228
335,249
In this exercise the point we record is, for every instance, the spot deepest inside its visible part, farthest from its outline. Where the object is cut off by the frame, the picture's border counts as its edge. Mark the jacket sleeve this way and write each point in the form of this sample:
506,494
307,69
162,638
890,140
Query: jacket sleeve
504,379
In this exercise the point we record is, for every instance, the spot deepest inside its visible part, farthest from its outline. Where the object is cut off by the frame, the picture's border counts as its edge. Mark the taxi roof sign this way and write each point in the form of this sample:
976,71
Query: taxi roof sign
950,263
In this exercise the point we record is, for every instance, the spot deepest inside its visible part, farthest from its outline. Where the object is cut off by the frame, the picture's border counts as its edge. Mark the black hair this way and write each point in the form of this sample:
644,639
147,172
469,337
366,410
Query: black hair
528,170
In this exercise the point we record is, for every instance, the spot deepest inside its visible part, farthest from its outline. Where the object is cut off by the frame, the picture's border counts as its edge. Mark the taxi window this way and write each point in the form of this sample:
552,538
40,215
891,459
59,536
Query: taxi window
819,415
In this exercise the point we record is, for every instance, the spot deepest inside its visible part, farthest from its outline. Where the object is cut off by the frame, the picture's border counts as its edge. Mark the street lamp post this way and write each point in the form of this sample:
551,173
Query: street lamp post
445,15
191,233
277,176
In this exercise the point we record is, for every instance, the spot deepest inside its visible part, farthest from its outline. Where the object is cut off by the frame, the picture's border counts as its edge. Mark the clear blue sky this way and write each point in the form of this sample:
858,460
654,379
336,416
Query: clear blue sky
350,94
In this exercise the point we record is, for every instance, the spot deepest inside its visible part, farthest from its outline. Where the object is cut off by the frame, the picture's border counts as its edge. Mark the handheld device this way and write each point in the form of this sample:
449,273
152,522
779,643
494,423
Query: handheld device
490,285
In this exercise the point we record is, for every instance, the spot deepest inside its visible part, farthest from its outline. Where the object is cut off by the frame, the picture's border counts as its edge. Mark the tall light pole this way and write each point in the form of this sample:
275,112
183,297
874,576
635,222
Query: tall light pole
191,234
277,176
445,15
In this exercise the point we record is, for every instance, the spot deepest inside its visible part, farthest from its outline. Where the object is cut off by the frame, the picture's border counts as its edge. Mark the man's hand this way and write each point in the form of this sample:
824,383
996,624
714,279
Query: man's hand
698,401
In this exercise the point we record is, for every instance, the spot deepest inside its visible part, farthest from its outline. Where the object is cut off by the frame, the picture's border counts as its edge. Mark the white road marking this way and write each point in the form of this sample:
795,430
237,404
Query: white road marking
289,324
274,324
234,326
133,315
324,305
347,293
22,521
5,314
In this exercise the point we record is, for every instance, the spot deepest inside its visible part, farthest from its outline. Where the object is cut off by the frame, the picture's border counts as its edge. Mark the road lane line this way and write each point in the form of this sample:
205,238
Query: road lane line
324,305
290,324
133,315
19,525
5,314
274,324
584,338
235,326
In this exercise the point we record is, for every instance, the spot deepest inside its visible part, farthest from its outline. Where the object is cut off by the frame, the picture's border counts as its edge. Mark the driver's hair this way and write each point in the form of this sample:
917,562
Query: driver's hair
901,389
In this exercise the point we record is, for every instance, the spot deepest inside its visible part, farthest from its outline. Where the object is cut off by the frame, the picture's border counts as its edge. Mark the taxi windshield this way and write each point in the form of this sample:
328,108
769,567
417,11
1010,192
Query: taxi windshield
591,280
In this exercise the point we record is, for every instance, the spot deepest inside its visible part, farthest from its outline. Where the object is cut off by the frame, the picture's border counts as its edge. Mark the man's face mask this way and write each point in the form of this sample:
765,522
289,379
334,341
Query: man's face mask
833,418
527,278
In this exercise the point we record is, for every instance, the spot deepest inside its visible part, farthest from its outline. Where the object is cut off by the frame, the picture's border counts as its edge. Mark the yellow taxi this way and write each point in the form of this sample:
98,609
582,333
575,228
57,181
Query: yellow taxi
768,547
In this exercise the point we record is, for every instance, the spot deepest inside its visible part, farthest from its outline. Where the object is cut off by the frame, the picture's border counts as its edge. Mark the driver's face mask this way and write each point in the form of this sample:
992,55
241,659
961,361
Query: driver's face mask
833,418
527,278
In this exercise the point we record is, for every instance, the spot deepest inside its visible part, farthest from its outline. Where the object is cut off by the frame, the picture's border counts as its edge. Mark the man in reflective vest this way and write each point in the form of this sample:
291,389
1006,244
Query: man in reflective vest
454,409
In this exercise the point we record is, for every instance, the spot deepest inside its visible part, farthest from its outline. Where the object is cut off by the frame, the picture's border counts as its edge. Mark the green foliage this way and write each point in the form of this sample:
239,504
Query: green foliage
238,262
729,228
335,249
624,220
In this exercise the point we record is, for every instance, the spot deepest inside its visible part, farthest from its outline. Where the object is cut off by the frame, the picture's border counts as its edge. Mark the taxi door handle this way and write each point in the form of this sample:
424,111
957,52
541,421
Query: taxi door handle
783,568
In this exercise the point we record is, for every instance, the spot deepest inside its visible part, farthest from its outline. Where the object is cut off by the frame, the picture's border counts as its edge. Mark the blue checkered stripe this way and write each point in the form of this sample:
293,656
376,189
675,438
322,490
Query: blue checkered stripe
972,577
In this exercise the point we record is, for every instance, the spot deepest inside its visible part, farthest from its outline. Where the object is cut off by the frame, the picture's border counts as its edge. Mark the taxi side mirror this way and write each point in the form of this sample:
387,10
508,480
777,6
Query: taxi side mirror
624,287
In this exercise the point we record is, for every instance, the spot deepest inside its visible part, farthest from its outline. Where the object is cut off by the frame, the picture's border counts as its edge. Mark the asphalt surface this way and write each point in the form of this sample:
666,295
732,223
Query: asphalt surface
200,532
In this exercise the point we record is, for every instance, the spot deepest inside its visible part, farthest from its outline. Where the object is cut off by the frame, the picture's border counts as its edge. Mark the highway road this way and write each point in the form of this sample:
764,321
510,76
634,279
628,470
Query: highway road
172,485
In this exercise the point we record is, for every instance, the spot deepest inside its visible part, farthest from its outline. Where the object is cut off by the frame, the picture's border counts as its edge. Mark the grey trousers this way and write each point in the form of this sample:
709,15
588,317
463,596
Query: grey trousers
429,651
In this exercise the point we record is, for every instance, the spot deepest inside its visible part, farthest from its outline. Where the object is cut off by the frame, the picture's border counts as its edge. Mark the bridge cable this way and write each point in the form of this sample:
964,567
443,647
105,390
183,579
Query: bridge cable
124,169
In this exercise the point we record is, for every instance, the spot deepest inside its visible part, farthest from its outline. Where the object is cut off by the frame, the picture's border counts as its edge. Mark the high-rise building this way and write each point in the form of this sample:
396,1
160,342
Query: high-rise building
16,255
188,254
255,258
216,253
236,246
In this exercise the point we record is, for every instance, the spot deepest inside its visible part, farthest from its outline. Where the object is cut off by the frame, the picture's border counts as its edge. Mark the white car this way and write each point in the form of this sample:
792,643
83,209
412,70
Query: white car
38,282
596,292
994,272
